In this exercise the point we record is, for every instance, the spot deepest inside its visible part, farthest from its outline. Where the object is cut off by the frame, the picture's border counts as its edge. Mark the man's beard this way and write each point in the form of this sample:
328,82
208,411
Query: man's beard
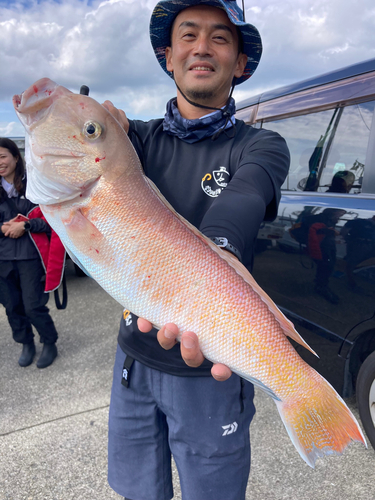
200,95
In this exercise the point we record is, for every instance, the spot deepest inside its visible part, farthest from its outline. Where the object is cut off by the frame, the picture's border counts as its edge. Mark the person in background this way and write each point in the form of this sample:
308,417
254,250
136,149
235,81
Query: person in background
322,249
359,235
224,177
342,182
22,273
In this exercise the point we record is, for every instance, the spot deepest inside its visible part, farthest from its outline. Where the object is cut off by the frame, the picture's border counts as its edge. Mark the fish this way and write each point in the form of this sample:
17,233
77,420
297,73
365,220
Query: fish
115,224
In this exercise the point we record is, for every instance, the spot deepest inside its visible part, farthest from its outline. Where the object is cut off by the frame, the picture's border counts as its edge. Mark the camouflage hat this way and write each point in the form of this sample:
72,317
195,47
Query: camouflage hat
165,12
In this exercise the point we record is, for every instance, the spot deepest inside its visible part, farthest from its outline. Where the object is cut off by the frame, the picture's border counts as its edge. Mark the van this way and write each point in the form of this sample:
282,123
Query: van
316,260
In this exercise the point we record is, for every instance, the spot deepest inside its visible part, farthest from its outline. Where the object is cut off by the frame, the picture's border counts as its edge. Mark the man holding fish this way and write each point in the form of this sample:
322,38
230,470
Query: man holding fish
223,177
150,233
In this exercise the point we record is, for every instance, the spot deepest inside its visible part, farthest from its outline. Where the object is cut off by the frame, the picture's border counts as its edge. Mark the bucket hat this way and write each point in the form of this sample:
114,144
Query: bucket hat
165,12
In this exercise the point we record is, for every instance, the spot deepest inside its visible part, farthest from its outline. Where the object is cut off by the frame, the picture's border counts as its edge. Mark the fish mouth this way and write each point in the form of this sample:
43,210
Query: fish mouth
34,103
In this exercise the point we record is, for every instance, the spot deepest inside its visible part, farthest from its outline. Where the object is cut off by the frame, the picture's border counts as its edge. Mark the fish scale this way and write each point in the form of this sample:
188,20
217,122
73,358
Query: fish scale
117,226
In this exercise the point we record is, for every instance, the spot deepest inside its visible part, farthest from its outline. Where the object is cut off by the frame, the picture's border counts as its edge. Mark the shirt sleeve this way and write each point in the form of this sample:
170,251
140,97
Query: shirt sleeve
136,139
270,152
39,226
252,195
140,134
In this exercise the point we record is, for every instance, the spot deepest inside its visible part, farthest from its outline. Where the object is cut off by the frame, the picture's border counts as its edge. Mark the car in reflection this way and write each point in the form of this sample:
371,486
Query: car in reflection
317,259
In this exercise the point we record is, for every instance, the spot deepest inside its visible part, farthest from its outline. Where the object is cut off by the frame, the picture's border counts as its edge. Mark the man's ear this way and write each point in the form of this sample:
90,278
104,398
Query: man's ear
241,65
168,59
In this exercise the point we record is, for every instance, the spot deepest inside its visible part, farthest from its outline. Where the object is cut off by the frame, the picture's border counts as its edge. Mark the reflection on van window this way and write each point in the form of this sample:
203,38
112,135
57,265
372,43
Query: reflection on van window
343,170
327,149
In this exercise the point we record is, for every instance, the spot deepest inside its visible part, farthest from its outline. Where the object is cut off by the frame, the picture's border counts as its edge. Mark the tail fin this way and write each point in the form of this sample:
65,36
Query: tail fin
320,425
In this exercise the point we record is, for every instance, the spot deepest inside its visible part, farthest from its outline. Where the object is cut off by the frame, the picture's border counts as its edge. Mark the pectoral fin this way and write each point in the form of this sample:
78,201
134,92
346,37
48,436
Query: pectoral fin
84,234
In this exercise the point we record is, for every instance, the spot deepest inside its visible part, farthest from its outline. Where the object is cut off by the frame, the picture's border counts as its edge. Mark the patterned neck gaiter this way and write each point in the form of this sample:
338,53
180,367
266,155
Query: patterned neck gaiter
195,130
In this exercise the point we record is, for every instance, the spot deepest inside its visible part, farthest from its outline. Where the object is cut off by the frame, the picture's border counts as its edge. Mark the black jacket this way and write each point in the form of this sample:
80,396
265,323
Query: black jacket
22,248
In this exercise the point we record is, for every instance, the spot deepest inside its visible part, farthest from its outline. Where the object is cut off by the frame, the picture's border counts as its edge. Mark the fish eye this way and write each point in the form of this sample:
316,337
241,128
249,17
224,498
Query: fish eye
92,130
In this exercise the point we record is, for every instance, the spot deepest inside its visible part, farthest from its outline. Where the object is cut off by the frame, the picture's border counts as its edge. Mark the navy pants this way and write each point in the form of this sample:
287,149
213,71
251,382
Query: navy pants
22,294
203,423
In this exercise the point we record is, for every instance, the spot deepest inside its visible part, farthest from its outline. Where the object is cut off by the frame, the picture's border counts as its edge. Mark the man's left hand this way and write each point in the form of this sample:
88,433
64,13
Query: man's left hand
190,351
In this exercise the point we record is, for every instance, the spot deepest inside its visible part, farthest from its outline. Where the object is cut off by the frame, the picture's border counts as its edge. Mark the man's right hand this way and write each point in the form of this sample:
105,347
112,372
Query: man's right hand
119,114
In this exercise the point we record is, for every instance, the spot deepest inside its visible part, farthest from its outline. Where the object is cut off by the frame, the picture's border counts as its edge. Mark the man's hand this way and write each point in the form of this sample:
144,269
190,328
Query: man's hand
13,229
118,114
190,351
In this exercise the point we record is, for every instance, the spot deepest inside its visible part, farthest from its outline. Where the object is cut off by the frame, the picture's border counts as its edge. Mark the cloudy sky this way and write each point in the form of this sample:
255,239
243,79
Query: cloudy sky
105,45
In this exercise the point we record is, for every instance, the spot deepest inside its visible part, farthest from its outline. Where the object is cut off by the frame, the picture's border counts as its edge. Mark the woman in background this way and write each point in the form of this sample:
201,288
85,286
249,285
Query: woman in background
22,274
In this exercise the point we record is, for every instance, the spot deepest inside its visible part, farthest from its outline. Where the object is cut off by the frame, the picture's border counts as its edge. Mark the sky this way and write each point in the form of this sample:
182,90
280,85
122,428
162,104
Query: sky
105,45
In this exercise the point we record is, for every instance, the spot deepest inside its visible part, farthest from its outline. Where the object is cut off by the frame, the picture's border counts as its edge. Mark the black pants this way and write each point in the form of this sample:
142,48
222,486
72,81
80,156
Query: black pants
22,294
324,269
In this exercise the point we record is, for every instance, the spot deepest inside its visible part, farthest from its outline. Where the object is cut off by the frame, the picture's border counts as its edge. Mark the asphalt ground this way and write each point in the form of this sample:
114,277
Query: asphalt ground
53,422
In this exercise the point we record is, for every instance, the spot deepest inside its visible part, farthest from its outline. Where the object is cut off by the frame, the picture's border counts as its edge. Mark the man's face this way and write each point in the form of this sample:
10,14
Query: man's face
204,54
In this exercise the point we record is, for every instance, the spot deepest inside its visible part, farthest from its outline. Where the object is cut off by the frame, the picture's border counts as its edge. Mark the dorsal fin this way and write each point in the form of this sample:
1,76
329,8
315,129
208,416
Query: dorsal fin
286,325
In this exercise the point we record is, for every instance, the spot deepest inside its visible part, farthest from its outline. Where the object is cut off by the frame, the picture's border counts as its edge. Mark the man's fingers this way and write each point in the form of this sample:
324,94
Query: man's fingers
167,336
109,106
220,372
144,325
190,351
122,118
119,114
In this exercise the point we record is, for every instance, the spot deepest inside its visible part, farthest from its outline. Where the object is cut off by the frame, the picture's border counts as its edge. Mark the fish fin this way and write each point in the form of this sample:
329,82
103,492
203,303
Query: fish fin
157,191
321,424
86,236
80,223
259,384
286,325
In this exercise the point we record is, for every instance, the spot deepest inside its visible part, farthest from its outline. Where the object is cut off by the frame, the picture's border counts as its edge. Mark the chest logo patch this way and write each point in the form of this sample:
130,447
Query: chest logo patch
213,183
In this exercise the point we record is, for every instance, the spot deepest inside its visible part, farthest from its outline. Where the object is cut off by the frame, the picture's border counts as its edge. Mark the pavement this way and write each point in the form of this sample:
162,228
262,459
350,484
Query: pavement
53,422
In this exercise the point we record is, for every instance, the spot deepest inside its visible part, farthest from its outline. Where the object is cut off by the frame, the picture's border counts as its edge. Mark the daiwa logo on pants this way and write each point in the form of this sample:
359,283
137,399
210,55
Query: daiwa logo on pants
229,429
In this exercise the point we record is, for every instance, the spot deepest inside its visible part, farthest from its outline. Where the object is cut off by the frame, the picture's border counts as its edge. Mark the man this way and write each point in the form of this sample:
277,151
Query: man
224,177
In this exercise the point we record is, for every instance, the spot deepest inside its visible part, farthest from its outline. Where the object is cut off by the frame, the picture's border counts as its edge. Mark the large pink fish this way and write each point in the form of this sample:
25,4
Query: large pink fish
85,174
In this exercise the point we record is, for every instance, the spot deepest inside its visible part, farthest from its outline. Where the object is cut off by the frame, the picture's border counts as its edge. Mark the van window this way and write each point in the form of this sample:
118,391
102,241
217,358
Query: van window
327,149
343,170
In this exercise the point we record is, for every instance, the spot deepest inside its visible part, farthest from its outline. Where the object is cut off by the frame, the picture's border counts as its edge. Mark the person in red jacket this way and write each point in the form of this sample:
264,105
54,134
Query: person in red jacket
322,249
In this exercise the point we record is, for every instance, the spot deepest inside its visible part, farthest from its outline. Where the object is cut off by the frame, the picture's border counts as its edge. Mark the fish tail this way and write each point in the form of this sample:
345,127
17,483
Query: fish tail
320,425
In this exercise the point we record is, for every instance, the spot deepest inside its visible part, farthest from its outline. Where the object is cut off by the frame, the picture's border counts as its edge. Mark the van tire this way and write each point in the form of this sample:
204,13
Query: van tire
366,396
